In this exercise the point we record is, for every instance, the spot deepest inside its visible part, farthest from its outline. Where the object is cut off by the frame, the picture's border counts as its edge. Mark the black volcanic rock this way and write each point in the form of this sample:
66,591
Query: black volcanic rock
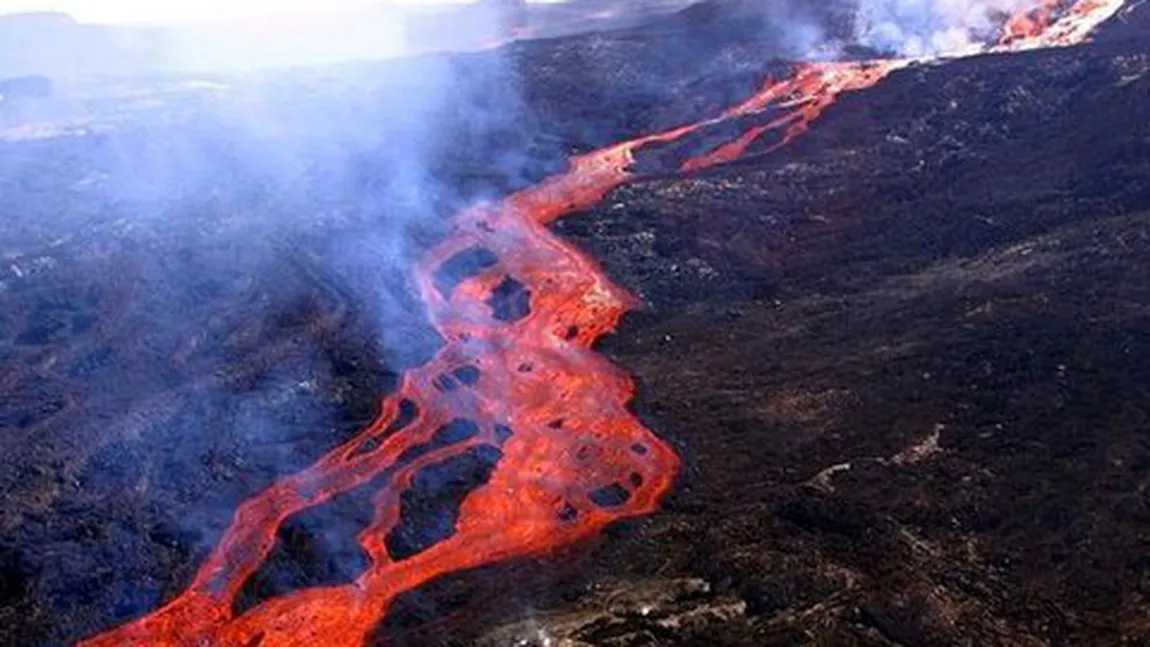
902,358
930,428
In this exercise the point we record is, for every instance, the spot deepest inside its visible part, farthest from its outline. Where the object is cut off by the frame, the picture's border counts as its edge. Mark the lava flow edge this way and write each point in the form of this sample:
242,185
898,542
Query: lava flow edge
521,380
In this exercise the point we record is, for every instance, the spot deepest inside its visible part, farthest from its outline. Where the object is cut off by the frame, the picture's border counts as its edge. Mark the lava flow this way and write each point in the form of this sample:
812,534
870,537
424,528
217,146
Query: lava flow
516,389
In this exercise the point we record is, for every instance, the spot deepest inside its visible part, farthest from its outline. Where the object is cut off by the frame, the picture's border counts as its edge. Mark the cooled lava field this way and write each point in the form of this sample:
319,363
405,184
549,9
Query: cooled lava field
901,358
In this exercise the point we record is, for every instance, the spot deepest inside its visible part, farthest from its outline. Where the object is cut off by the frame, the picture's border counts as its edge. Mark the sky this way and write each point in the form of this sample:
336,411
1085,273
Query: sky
190,11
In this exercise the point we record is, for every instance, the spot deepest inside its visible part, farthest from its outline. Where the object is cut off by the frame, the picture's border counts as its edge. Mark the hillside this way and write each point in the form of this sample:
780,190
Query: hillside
901,358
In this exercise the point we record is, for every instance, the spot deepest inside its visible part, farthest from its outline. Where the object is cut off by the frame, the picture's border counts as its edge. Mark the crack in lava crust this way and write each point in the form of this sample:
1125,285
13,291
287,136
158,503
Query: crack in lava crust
556,411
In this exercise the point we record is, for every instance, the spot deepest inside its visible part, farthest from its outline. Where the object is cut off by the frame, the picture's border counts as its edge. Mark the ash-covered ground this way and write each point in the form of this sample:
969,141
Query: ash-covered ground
903,358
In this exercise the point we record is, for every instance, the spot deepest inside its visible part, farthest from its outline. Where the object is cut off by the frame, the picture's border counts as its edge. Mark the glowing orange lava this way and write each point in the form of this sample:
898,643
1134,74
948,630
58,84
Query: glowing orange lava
1029,24
554,411
1056,23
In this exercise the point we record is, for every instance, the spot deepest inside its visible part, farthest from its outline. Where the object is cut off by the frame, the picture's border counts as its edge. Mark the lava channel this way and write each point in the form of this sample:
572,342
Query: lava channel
520,311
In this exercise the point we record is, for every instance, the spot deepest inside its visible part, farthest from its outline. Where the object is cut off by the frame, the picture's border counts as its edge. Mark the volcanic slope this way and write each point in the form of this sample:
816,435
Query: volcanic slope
905,363
184,318
900,358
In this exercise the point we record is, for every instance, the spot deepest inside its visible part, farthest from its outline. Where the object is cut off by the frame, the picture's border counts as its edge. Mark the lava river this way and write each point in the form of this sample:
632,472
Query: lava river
516,393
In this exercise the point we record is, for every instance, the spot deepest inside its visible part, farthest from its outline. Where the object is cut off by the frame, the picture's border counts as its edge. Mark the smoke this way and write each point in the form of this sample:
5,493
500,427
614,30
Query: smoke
806,33
923,28
850,28
221,274
59,46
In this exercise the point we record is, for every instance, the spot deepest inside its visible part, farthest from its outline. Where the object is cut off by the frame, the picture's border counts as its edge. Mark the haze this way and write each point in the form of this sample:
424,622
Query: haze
190,11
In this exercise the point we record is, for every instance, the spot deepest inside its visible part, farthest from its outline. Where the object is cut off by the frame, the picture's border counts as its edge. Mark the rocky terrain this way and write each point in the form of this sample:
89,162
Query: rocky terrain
901,358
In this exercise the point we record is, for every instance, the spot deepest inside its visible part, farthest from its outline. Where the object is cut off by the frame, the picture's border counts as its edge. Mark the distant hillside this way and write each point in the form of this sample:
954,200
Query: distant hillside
56,45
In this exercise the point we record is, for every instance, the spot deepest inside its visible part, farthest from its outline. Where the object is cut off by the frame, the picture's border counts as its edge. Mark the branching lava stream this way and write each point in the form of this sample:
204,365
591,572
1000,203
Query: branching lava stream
519,310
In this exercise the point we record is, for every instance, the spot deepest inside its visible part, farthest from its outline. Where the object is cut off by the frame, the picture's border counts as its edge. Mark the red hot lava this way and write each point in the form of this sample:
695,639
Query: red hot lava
520,311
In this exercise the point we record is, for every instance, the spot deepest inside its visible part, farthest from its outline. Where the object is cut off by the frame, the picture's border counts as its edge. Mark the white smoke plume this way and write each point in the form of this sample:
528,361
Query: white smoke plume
925,28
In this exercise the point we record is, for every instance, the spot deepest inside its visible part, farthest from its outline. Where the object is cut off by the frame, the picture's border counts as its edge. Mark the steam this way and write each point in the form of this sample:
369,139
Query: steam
205,220
805,33
914,29
924,28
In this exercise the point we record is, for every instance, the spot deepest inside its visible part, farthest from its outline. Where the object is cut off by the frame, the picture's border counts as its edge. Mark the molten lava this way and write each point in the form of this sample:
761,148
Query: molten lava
1056,23
520,311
